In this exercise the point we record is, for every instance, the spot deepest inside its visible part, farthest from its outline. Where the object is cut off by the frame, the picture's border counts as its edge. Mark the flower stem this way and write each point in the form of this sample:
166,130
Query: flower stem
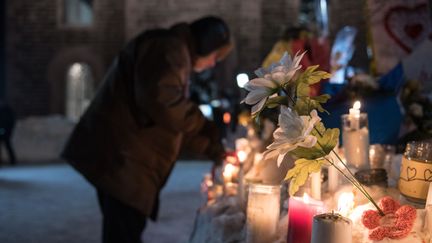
357,184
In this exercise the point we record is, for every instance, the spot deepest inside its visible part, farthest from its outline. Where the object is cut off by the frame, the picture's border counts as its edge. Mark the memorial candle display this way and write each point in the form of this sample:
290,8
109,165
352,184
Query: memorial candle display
300,215
355,137
262,213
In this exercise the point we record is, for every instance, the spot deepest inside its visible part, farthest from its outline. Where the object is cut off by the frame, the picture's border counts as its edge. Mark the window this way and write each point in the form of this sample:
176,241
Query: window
79,90
77,12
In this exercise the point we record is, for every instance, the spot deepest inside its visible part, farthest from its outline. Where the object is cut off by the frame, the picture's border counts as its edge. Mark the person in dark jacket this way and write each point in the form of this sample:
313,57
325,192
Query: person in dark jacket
7,124
127,141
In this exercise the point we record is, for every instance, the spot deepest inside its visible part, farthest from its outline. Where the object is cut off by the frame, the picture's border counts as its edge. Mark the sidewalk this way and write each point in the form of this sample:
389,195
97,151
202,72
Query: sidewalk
52,203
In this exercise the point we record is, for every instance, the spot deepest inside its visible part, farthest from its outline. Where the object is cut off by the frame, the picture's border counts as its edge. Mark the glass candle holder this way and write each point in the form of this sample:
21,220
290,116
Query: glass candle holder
355,140
263,210
416,171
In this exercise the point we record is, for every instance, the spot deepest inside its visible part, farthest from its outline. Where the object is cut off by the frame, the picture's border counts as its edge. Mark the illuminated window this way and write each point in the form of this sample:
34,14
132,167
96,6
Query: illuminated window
79,90
77,12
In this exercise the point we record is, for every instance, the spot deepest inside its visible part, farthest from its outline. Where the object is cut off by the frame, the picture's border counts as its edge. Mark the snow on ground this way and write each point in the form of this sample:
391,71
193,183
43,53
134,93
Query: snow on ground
40,139
52,203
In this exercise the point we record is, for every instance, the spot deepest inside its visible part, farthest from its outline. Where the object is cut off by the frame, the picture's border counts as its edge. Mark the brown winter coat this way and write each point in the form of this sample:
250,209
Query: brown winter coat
128,140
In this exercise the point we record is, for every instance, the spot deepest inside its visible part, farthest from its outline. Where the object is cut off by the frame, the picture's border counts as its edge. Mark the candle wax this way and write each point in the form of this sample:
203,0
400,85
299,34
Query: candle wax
356,147
262,213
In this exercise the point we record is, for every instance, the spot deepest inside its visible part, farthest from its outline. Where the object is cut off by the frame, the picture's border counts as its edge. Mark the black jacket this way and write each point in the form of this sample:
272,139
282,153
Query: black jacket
128,140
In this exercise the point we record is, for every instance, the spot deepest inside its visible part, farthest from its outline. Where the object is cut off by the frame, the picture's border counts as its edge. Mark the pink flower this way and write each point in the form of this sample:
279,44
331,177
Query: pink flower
397,222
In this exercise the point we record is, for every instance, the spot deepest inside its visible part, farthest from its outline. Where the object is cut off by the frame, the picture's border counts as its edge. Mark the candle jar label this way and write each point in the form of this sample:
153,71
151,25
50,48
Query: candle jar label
414,179
416,171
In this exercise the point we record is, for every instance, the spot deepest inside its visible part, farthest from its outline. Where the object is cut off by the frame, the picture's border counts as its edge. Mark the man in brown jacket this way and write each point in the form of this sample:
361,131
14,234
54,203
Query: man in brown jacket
128,140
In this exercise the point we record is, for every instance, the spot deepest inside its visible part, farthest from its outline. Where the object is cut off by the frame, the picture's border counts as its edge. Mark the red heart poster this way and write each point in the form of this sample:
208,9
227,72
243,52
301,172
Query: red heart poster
398,27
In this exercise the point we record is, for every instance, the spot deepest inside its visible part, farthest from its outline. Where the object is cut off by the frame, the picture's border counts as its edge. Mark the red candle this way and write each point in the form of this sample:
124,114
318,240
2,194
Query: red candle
300,217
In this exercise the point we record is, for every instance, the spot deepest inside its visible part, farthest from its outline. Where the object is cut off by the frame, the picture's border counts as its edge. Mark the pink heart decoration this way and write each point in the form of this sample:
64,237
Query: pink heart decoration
408,26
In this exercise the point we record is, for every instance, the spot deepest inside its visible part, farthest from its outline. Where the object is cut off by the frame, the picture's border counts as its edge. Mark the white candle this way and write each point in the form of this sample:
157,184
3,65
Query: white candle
262,213
228,172
316,185
429,195
354,115
356,138
356,147
331,228
428,219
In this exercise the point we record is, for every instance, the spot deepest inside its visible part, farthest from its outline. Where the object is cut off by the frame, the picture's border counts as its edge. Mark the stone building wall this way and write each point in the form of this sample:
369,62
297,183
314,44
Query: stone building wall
39,50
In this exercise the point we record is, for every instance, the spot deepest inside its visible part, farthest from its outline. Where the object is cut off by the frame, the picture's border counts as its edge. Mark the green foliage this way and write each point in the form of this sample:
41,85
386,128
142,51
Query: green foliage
327,139
301,171
310,76
306,104
276,101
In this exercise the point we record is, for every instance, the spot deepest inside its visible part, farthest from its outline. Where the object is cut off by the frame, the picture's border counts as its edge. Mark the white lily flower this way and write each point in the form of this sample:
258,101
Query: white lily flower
269,80
283,71
259,91
294,131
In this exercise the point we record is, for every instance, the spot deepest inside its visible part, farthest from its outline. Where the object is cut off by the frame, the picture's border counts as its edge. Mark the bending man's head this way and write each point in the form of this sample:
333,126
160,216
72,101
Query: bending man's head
212,41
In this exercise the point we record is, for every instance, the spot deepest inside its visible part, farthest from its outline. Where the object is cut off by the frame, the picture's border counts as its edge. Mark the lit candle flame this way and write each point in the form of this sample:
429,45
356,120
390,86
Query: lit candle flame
306,198
346,203
228,171
357,105
241,156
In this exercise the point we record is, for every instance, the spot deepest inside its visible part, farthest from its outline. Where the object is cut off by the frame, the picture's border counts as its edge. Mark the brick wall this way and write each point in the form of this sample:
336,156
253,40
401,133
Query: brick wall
255,24
38,50
35,38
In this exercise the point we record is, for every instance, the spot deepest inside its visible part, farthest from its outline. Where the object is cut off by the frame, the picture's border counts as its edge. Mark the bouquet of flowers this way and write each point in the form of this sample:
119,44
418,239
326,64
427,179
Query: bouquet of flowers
300,132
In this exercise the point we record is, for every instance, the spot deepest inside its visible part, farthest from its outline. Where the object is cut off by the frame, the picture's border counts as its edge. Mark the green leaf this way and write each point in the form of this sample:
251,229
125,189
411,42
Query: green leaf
276,101
329,139
302,106
318,129
300,173
308,153
310,76
321,98
306,104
